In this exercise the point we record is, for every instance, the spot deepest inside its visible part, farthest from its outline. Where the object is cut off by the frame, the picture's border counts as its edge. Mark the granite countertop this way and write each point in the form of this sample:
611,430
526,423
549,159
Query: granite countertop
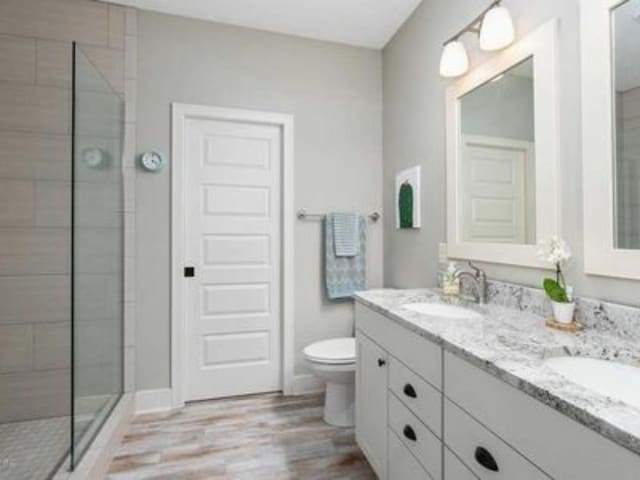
513,344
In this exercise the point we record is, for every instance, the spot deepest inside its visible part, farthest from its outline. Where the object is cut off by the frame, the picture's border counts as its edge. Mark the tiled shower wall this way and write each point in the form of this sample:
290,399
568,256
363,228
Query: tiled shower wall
35,190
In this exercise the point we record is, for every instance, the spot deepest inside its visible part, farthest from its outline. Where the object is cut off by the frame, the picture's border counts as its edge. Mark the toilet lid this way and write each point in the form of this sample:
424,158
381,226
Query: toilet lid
335,350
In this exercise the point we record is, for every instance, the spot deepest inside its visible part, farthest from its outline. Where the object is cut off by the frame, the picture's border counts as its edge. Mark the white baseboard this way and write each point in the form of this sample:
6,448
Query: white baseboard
303,384
148,401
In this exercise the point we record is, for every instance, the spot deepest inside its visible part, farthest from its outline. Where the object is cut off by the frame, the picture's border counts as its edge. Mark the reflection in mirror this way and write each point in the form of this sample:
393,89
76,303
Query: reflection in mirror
626,116
496,184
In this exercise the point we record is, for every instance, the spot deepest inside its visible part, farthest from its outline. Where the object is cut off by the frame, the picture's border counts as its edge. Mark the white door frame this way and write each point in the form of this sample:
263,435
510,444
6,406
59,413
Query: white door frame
179,114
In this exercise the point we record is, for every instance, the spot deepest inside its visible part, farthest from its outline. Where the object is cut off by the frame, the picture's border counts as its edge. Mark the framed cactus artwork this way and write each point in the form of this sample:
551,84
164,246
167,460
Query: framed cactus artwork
408,198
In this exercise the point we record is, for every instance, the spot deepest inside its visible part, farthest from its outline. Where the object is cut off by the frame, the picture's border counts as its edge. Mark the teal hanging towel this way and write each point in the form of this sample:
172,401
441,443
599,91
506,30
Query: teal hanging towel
405,205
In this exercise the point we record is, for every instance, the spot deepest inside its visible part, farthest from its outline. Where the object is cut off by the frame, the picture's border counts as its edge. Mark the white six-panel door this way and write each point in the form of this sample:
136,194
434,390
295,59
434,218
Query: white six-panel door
232,190
497,194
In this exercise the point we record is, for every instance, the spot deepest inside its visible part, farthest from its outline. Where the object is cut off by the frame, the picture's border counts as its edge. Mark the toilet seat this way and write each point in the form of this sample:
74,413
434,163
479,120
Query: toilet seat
335,351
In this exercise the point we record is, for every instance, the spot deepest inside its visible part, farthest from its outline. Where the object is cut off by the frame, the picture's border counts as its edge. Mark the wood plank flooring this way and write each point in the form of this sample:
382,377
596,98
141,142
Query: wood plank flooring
265,437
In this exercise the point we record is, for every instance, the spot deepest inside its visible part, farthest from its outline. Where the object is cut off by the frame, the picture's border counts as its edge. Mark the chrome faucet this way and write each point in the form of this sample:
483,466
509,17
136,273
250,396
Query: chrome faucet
479,281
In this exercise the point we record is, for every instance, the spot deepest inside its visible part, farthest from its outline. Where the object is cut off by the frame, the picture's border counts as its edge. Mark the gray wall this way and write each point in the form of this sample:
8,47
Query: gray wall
335,94
414,133
502,109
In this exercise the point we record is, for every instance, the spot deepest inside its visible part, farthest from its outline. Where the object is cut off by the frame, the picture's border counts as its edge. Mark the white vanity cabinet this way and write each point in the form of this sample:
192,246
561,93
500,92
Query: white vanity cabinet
371,411
398,399
520,431
422,413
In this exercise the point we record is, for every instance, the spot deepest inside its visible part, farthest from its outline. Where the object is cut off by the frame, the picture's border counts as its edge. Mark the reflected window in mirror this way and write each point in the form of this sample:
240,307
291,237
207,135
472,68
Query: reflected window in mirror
625,56
496,181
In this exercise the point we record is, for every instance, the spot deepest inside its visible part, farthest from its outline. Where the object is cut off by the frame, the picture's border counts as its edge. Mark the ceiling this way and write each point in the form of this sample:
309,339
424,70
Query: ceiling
365,23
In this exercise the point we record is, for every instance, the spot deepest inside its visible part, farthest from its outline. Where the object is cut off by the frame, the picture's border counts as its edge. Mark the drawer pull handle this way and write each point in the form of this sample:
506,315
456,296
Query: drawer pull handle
382,362
484,458
409,391
409,433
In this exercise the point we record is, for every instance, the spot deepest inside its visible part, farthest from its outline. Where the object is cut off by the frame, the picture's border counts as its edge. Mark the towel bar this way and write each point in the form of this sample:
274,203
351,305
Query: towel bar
303,215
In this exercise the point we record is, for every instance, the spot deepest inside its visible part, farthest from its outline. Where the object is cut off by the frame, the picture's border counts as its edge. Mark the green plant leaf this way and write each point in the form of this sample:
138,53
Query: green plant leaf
555,291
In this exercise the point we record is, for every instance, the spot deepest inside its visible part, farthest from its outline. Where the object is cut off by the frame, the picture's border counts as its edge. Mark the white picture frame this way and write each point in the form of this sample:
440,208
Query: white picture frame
541,45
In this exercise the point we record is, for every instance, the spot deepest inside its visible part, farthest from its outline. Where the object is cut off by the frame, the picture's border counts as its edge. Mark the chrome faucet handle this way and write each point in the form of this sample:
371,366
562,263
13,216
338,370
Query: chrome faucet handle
477,271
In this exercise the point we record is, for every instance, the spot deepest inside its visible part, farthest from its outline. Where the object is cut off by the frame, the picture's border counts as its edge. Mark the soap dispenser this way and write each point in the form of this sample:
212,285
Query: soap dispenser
451,284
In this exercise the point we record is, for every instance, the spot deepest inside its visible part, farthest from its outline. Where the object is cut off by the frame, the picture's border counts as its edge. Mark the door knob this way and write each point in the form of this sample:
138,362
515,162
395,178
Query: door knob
409,391
409,433
484,458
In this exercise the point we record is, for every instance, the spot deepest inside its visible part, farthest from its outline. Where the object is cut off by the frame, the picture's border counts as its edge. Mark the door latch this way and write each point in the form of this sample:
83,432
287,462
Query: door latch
189,271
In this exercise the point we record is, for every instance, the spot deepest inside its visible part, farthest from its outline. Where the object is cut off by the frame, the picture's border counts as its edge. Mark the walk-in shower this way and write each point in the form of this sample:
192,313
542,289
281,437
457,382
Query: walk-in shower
61,282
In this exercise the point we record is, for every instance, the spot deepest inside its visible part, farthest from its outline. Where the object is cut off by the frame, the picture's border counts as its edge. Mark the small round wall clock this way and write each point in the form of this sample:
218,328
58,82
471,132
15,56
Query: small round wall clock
152,161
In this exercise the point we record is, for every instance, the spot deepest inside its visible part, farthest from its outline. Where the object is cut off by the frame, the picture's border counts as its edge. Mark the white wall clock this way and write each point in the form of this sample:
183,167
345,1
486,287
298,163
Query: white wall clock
152,161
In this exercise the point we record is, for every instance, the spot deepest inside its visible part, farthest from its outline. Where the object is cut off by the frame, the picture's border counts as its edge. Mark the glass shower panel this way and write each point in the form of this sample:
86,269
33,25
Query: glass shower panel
97,227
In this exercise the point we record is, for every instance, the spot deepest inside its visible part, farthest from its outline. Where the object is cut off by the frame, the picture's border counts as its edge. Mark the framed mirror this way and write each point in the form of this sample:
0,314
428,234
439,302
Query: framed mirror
502,190
611,136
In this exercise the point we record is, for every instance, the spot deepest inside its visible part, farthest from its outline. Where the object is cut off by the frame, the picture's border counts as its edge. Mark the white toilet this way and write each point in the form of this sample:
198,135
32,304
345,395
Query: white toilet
334,361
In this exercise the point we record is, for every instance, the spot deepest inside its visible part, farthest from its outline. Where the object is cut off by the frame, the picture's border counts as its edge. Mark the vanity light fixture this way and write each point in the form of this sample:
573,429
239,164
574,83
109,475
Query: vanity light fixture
454,60
496,32
494,26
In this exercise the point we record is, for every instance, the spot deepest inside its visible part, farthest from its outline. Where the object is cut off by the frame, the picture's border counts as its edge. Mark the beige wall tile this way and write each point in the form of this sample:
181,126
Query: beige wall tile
129,159
116,26
110,63
16,348
17,203
52,346
129,234
130,57
53,65
34,299
34,108
98,250
132,22
129,324
68,20
17,59
130,97
35,156
129,369
129,185
31,395
25,251
129,279
52,204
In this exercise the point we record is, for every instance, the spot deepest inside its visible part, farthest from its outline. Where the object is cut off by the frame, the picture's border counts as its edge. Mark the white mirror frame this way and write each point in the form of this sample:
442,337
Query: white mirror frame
600,255
540,44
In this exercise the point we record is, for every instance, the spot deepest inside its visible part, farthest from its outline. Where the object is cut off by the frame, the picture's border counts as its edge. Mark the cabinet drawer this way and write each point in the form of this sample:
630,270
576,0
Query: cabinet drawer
478,448
548,438
419,354
424,445
454,469
402,464
417,394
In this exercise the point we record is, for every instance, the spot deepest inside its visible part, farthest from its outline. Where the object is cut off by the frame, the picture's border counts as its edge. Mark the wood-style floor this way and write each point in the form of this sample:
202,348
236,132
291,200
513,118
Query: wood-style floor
262,437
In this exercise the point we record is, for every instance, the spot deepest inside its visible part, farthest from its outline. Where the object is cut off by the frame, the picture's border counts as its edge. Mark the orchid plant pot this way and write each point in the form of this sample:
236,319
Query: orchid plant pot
563,311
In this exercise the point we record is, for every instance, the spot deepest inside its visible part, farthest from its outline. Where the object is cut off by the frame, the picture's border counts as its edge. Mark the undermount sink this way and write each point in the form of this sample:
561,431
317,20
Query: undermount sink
612,379
443,311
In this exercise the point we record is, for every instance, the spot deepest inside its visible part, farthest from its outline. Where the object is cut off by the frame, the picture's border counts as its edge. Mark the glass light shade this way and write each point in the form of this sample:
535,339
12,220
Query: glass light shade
454,61
497,29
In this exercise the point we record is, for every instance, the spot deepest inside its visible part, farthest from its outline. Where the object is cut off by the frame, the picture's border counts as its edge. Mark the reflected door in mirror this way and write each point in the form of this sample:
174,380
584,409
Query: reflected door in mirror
496,183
